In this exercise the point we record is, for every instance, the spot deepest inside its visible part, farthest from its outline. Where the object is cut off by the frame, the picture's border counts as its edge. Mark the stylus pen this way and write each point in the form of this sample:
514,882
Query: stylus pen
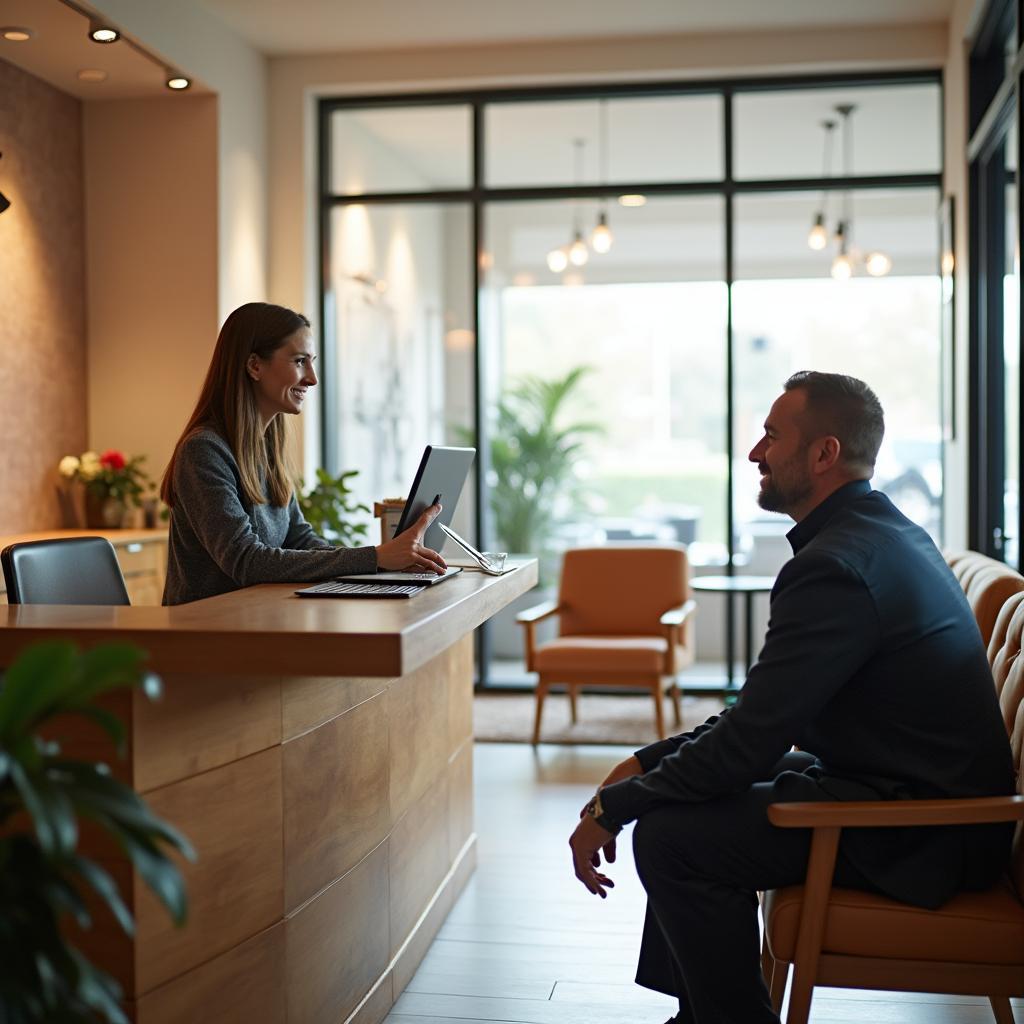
437,499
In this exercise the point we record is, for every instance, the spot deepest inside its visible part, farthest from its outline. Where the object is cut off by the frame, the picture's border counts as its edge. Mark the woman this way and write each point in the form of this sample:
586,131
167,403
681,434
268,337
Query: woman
235,520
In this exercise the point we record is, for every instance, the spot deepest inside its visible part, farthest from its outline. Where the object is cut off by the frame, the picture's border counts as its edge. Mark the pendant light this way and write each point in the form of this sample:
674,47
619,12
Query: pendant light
601,237
817,237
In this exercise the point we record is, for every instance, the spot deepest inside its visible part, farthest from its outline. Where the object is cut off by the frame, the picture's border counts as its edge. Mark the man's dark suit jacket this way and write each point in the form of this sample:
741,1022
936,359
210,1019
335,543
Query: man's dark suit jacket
874,664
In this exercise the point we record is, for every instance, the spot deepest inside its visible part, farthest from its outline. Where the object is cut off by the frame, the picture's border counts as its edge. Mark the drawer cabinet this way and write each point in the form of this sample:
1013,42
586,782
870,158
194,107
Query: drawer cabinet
142,555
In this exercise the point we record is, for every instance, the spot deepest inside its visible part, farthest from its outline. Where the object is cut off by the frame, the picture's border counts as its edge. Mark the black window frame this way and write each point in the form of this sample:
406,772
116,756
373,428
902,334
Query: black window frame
478,195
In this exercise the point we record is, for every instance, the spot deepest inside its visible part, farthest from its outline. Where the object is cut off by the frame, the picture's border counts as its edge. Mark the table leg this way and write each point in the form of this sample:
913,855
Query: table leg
730,645
748,648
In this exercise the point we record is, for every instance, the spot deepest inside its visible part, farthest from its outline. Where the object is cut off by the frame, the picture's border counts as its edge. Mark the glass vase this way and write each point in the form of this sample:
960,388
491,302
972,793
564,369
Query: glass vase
103,512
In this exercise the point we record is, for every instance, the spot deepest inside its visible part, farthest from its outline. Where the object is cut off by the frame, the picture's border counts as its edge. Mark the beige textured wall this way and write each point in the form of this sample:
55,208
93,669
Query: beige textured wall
42,303
151,227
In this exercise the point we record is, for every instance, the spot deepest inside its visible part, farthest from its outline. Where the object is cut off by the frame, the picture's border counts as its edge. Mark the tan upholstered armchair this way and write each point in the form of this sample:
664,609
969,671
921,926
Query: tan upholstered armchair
624,621
974,945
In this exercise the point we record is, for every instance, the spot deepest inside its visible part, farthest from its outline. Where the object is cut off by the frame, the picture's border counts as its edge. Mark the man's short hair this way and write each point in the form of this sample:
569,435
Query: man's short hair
846,408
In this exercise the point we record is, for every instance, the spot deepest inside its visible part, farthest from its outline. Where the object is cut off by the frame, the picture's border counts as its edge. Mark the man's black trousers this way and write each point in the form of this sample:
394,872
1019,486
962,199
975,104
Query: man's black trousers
702,865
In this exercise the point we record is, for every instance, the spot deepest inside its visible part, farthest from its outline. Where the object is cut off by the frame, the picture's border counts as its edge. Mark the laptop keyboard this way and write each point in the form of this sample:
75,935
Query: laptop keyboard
332,589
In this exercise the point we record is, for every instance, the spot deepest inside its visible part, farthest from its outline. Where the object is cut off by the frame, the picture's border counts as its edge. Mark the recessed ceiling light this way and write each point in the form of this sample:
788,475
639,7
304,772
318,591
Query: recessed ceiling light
92,75
100,33
13,34
632,200
177,81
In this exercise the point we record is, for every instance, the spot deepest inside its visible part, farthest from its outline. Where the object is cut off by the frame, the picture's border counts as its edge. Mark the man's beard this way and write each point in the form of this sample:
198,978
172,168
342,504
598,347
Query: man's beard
783,495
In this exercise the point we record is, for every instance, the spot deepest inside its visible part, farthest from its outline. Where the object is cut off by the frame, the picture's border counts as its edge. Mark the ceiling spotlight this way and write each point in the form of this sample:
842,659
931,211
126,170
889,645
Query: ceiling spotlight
633,200
177,81
15,34
100,33
92,75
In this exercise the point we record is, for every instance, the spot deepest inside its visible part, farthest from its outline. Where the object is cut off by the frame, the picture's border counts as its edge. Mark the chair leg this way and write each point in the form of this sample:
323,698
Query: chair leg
1001,1009
799,997
677,708
572,703
542,692
777,984
659,713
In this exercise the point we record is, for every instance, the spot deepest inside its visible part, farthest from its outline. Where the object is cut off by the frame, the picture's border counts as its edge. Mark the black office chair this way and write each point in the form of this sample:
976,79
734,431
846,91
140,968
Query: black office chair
74,570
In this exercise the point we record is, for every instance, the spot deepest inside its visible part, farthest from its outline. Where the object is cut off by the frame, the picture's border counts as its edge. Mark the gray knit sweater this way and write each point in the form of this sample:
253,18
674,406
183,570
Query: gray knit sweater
220,541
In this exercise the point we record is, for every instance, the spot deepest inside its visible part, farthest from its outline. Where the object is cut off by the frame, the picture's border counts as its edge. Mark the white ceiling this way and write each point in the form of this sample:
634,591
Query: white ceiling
280,27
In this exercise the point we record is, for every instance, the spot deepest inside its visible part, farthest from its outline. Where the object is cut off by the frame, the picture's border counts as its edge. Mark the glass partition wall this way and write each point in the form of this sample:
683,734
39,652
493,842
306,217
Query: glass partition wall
604,289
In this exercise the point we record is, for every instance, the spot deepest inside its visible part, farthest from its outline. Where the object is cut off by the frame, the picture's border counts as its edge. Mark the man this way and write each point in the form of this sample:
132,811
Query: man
872,667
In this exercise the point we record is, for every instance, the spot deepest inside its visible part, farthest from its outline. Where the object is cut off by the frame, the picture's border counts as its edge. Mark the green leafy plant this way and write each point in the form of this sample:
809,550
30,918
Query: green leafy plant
43,977
533,458
329,508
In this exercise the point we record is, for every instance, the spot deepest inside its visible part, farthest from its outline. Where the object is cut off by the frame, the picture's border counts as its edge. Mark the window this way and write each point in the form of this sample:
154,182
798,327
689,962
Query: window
609,295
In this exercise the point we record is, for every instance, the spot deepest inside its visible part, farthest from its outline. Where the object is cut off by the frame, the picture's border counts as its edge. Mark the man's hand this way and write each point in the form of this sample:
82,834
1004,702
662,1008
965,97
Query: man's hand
585,842
407,550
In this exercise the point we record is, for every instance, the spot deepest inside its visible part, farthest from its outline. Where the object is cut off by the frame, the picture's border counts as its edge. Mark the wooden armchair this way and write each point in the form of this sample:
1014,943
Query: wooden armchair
624,621
974,945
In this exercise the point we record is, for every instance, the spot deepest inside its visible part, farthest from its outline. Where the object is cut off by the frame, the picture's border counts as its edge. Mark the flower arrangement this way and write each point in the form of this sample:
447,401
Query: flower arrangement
112,482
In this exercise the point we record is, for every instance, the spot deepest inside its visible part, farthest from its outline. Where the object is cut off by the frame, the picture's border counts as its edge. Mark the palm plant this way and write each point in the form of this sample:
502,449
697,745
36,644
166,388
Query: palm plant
533,457
42,796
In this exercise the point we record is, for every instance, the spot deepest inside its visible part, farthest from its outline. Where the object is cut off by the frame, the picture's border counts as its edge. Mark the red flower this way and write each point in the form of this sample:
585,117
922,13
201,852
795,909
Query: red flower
112,459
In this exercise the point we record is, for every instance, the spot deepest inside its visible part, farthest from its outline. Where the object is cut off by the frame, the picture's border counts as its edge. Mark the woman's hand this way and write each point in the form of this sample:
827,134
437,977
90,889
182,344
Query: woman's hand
407,550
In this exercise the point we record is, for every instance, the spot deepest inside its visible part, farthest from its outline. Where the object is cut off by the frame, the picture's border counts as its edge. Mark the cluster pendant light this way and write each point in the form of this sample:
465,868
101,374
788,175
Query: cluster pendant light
847,256
577,252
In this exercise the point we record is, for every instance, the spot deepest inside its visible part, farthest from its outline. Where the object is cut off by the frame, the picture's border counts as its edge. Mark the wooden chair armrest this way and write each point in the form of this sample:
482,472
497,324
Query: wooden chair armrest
874,813
538,612
528,619
677,616
672,623
828,819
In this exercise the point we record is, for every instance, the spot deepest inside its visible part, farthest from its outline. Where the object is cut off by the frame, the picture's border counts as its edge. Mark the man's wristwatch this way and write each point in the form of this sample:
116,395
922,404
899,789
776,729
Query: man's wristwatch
597,812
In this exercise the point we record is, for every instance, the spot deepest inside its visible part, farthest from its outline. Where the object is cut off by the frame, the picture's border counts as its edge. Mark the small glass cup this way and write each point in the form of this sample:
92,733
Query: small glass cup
495,559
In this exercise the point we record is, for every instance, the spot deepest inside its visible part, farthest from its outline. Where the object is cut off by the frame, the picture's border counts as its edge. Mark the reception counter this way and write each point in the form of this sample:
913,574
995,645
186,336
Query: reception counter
318,754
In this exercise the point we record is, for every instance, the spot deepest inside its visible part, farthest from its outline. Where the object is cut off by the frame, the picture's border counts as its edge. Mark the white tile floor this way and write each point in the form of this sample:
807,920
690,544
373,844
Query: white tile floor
526,943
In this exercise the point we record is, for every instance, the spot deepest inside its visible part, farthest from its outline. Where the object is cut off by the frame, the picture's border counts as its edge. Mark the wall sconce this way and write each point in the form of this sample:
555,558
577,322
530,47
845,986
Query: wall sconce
4,201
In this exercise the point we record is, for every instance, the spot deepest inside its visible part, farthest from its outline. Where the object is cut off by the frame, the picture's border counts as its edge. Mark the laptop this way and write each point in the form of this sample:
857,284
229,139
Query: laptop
441,476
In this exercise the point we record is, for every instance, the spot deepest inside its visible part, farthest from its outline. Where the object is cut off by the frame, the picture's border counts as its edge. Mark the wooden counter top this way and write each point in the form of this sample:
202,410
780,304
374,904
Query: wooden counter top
267,630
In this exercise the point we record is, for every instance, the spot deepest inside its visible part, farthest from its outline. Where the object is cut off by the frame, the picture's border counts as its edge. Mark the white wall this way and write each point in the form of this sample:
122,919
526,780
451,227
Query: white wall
193,40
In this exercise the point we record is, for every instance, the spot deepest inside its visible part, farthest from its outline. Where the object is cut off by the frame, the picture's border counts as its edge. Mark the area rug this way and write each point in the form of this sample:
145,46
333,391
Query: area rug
508,718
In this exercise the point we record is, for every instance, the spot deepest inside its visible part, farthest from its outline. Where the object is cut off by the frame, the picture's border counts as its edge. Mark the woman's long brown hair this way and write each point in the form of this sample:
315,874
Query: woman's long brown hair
227,404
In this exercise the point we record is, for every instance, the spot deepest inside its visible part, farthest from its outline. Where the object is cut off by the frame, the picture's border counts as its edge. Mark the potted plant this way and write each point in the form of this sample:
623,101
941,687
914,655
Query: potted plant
43,795
534,450
113,482
329,508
